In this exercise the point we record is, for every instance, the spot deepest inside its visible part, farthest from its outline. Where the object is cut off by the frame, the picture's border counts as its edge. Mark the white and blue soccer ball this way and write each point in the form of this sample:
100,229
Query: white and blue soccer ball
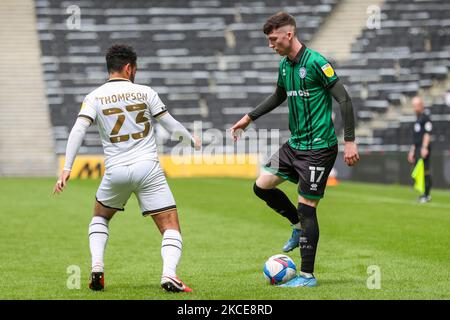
279,269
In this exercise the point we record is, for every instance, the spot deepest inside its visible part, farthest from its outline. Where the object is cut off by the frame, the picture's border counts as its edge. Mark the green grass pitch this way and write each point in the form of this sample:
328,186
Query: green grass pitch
228,233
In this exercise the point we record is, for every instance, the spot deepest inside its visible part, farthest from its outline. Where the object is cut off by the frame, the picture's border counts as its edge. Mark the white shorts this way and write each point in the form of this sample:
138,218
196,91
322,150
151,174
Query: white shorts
145,179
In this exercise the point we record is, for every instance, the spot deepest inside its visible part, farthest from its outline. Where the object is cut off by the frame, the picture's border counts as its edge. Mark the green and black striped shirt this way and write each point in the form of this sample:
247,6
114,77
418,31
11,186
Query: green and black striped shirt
306,81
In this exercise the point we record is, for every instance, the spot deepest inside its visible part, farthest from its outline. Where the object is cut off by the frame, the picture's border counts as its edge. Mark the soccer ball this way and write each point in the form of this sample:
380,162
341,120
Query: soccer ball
279,269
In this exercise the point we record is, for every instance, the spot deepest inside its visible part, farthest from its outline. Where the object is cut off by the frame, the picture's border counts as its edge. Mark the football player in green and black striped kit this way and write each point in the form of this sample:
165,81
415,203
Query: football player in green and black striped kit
307,80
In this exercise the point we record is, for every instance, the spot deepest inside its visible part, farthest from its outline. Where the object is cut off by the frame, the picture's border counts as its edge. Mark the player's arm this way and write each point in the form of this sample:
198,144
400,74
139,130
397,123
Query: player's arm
425,144
270,103
177,129
341,95
159,111
267,105
74,141
426,139
411,152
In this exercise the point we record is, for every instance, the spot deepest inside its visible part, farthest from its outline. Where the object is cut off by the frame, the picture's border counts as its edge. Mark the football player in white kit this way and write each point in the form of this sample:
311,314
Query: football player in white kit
121,109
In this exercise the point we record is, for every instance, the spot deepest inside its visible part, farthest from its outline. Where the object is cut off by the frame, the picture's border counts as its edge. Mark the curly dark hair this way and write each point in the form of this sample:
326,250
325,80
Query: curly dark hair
279,20
118,56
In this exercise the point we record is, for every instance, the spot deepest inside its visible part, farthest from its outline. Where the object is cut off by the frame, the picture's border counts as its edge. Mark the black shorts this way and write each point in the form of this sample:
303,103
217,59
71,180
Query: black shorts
309,168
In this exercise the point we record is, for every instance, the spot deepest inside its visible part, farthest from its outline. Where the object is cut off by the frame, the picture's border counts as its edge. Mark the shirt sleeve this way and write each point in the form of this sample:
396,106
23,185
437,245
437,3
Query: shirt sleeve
341,95
88,110
270,103
280,81
155,105
324,72
427,126
176,128
74,141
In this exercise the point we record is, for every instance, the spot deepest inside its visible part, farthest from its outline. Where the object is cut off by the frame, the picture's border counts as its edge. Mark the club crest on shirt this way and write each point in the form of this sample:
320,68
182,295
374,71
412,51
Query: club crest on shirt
302,72
328,70
417,127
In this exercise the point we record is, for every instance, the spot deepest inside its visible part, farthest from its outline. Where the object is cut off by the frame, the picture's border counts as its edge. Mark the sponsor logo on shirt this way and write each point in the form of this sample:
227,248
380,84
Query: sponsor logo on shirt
328,70
299,93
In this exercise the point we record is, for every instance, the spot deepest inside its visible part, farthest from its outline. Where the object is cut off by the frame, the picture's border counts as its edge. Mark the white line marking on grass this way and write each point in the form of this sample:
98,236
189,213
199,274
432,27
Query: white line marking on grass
388,200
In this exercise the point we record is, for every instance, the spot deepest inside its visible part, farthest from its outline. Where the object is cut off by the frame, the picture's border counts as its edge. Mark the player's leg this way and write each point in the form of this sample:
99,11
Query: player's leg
98,234
265,189
167,220
313,166
307,210
428,185
171,249
156,200
111,197
275,172
427,196
172,242
98,238
309,238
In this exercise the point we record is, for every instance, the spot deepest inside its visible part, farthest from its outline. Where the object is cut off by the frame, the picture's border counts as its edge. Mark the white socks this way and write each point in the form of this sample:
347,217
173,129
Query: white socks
306,275
171,247
98,236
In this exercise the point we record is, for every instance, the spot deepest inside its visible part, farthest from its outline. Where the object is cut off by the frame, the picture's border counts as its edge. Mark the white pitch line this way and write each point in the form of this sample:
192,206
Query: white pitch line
371,199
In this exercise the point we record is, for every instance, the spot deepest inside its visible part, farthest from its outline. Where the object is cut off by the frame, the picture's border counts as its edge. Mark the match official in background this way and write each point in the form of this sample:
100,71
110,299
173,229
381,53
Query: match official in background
421,147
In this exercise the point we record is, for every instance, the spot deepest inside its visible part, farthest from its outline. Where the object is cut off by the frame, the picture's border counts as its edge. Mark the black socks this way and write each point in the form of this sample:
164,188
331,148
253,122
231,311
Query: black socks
309,236
278,201
427,184
306,215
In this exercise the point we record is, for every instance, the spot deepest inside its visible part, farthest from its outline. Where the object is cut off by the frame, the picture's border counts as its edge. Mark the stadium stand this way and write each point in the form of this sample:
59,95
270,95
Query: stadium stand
408,55
209,60
26,139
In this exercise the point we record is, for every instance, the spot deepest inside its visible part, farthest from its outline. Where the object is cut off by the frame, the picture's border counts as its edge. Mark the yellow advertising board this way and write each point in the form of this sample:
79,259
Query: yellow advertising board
239,166
85,166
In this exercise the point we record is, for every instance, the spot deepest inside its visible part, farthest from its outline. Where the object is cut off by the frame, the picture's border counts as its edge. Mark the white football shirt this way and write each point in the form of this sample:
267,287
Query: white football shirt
121,110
